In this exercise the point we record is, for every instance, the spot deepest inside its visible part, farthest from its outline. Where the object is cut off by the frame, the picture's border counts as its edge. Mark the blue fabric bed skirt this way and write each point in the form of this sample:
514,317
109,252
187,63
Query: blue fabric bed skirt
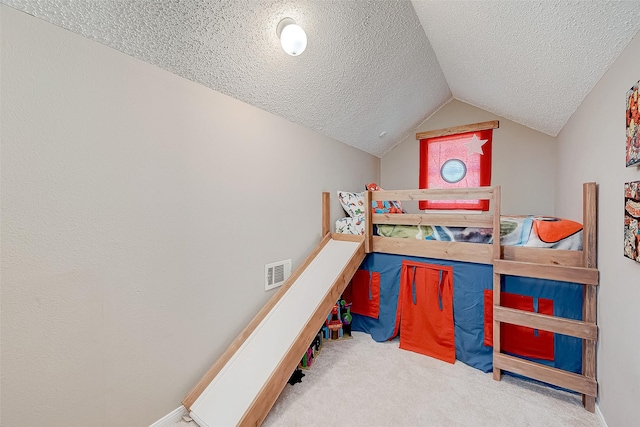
469,283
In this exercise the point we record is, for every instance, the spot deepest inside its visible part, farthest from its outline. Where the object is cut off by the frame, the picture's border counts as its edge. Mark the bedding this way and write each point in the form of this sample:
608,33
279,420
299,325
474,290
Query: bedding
352,203
351,225
533,231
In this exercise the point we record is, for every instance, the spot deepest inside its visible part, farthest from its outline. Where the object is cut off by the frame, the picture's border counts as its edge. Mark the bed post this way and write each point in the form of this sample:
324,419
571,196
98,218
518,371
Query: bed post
368,226
497,253
326,213
589,211
497,372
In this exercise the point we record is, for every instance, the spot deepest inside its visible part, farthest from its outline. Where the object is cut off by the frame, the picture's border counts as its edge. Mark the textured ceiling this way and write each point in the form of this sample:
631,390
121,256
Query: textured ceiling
370,68
533,62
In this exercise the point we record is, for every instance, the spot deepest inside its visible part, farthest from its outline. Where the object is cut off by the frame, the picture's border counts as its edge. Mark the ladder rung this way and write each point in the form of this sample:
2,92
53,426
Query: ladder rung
560,325
558,377
582,275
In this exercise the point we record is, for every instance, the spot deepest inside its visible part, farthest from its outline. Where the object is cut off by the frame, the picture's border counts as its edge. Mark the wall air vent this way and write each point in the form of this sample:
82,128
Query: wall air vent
276,273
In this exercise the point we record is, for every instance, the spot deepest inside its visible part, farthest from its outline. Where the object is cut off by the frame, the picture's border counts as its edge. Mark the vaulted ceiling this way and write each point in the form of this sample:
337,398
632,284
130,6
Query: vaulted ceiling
373,70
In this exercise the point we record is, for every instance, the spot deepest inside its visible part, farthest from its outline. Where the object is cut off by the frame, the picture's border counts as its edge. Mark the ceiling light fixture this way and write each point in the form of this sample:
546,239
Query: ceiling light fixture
292,38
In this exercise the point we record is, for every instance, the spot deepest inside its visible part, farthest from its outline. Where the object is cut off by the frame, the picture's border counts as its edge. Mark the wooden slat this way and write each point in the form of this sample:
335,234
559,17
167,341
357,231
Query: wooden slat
326,213
474,127
589,221
543,256
272,388
586,276
347,237
242,337
447,220
483,193
546,374
559,325
456,251
368,223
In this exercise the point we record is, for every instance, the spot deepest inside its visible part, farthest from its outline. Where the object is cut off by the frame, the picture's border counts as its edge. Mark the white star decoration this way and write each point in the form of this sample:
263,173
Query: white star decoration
474,145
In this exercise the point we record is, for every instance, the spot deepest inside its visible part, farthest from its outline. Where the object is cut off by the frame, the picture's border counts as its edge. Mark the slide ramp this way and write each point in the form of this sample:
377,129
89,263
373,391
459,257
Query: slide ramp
245,382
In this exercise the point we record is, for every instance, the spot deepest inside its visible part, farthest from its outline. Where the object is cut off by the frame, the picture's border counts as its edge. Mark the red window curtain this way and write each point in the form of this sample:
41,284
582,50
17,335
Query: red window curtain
467,155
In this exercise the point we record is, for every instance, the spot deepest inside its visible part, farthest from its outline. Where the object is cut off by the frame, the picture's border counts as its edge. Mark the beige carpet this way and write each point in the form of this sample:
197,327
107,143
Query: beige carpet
360,382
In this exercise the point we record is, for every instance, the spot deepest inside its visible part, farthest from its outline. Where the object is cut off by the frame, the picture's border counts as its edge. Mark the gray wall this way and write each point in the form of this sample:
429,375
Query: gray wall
523,159
138,211
591,147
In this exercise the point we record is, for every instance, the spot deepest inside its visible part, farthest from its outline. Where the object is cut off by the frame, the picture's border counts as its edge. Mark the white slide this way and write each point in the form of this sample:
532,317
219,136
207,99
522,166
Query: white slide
234,390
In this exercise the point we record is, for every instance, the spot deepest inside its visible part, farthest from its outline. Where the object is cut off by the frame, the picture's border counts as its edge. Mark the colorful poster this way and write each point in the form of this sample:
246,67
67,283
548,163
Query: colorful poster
631,219
633,126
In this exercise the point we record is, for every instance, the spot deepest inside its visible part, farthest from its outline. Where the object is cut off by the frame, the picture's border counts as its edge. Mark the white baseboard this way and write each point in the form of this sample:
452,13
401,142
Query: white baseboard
603,423
171,418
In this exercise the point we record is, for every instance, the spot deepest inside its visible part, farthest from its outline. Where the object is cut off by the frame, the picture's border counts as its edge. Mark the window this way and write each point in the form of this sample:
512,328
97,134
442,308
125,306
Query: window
458,160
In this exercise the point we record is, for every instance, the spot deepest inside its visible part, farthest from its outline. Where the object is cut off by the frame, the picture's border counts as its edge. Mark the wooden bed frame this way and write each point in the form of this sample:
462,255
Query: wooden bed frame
563,265
573,266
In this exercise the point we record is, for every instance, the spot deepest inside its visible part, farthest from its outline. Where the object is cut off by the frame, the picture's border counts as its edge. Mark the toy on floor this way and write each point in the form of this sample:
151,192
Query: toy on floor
296,377
334,323
317,342
346,317
338,323
307,359
336,327
312,351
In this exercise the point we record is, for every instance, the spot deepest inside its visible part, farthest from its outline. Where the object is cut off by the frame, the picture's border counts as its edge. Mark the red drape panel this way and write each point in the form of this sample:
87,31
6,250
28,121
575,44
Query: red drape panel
515,339
425,310
364,293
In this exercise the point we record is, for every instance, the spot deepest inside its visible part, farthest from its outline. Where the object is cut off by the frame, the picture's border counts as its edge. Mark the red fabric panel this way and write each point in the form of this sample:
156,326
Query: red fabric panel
434,152
426,305
516,339
364,293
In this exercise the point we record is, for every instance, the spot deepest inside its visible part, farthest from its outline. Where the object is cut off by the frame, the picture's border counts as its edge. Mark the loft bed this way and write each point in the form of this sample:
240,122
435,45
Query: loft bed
553,266
243,384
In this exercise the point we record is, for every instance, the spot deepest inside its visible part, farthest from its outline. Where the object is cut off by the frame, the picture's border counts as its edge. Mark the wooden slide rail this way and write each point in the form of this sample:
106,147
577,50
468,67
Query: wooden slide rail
270,391
569,268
